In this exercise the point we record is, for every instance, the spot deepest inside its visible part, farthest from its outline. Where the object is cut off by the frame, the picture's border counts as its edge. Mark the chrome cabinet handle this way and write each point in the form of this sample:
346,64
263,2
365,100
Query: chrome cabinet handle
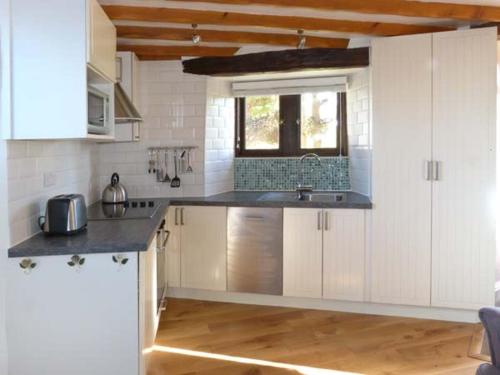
428,170
436,172
320,214
327,221
176,217
182,216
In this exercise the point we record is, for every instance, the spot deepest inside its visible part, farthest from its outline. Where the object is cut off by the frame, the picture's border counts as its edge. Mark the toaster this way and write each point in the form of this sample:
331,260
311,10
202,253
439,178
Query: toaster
64,214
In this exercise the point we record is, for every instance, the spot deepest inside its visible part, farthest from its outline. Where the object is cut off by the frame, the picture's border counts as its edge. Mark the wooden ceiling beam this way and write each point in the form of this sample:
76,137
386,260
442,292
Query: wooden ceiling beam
239,37
279,61
188,16
408,8
145,57
155,50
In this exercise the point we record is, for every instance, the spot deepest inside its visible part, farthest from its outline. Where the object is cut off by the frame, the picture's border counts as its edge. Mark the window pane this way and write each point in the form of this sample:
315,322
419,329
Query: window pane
318,120
262,116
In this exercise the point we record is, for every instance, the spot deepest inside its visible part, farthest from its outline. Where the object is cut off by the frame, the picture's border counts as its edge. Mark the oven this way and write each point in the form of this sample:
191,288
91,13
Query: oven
162,237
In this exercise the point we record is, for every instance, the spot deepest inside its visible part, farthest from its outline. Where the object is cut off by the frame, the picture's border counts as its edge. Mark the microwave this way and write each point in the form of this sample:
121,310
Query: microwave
97,111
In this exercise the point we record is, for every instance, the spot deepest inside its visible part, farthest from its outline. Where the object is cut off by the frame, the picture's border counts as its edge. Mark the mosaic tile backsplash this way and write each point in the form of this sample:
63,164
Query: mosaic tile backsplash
284,173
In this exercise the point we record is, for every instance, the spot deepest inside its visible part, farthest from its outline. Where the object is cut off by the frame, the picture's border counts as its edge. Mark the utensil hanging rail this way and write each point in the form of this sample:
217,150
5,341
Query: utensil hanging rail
172,148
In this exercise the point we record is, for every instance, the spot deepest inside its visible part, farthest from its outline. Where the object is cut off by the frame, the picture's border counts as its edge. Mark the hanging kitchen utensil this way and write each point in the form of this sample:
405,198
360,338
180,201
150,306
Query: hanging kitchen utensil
159,169
176,181
151,162
182,163
189,169
166,178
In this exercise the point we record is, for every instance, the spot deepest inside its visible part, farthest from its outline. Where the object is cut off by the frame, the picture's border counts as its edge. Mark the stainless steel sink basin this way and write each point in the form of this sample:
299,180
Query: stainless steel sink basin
286,196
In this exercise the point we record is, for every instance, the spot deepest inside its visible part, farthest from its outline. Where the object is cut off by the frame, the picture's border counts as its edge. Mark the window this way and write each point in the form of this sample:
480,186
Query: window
291,125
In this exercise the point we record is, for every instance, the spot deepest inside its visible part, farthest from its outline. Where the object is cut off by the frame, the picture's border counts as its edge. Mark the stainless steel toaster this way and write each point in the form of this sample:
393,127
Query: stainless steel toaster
64,214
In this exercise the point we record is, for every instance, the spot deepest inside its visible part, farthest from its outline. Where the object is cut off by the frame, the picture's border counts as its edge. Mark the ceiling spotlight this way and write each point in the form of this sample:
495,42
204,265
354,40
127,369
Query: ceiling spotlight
302,39
196,38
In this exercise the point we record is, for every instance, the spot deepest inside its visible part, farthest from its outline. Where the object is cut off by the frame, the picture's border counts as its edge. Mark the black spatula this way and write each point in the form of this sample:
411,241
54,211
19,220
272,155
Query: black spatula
176,181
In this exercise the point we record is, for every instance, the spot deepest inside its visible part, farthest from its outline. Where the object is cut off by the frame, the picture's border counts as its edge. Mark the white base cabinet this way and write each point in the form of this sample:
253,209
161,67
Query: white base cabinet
197,247
81,320
302,252
324,253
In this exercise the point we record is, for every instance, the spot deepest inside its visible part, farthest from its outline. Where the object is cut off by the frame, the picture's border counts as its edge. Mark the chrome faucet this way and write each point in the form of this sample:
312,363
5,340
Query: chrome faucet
301,187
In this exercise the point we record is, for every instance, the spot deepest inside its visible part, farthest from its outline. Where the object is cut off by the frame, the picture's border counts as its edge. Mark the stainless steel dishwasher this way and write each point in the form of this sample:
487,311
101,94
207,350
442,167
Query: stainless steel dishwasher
255,250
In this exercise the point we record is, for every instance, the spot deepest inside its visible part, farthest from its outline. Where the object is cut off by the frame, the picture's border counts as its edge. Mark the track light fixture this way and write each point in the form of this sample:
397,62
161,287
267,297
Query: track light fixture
196,38
302,39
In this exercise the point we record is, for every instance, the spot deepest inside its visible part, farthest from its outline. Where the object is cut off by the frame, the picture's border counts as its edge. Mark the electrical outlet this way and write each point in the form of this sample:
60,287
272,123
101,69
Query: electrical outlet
49,179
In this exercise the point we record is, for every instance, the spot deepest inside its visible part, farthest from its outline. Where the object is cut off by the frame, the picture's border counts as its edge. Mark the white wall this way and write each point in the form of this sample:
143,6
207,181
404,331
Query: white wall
173,105
359,132
71,166
219,138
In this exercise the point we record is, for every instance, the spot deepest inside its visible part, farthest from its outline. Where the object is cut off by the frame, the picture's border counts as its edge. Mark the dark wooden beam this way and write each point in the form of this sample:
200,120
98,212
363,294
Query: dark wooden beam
279,61
202,17
408,8
239,37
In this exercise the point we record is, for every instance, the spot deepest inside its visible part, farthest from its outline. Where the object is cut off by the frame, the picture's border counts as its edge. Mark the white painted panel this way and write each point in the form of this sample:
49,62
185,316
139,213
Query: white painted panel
173,248
62,321
401,258
147,304
463,229
302,252
344,254
49,81
203,247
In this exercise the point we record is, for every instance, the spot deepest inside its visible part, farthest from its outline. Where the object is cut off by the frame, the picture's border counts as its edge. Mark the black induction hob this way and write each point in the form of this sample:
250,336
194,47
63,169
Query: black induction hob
133,209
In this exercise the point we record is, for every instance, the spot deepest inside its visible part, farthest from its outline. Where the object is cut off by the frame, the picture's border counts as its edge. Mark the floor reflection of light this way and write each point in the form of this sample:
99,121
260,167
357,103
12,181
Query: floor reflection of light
251,361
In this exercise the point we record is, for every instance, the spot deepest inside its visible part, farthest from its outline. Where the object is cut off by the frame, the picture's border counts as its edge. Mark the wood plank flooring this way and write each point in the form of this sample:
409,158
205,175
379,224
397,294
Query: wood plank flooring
319,342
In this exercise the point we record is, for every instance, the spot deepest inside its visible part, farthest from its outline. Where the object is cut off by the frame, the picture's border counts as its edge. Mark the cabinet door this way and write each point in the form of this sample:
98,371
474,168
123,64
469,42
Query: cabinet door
63,320
101,41
173,248
203,247
302,252
402,94
344,254
463,221
148,318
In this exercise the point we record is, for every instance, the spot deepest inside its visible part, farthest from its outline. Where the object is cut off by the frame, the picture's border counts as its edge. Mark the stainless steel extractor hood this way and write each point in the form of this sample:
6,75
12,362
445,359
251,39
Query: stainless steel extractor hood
125,110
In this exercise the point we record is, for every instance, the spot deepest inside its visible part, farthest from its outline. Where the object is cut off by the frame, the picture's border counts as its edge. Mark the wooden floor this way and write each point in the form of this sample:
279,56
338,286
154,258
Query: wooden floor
191,331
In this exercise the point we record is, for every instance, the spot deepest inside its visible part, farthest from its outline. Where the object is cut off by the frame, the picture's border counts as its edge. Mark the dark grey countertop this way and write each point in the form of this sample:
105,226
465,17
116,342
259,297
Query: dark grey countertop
102,236
115,236
280,199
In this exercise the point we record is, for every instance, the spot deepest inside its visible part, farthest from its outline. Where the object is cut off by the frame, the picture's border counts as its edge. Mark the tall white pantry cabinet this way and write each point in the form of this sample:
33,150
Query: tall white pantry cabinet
434,183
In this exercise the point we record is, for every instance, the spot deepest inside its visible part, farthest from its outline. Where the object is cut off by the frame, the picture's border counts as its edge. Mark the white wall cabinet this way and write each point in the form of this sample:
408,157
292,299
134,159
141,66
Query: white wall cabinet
49,87
64,320
402,110
202,240
324,253
434,100
101,41
463,144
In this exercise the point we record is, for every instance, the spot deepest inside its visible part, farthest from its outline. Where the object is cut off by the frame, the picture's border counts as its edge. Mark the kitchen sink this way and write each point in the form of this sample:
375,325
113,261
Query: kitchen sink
308,197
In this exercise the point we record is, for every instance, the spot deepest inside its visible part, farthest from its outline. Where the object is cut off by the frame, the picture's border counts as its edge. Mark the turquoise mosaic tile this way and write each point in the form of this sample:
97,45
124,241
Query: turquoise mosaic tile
283,174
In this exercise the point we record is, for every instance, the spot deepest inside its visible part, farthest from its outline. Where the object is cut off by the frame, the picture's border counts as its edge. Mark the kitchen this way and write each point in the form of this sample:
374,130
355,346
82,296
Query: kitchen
204,208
